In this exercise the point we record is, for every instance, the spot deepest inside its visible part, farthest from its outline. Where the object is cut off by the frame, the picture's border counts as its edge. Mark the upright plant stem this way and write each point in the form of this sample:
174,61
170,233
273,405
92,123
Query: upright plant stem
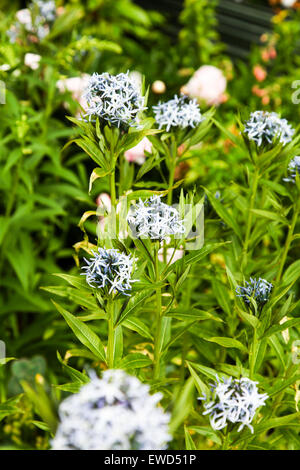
252,357
171,182
172,155
112,185
250,216
157,337
288,242
225,442
111,334
184,349
14,189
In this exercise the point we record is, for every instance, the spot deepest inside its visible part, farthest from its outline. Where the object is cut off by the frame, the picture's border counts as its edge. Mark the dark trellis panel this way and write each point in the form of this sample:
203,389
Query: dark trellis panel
240,23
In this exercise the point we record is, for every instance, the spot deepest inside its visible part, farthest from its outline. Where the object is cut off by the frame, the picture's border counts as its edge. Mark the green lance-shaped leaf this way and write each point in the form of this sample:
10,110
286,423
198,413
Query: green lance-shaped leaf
183,405
200,385
224,214
135,361
292,273
85,335
269,424
75,375
189,443
7,409
227,342
194,257
134,303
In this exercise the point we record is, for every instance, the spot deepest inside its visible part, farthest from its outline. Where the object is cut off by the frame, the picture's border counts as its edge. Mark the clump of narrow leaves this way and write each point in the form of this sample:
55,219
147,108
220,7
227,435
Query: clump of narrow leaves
183,285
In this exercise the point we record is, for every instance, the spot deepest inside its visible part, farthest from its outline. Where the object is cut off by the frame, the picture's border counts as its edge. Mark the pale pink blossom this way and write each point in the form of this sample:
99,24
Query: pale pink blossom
259,73
32,60
137,153
288,3
104,202
60,11
171,254
76,86
265,100
207,84
272,52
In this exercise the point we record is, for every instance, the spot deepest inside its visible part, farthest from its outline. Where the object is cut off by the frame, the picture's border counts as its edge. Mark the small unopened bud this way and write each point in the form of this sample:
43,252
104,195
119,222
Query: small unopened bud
158,87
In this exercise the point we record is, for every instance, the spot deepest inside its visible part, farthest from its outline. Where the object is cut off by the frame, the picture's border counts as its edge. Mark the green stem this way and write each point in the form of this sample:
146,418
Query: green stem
184,349
172,155
111,334
157,337
250,216
121,175
2,385
171,182
252,358
225,443
112,185
288,243
13,192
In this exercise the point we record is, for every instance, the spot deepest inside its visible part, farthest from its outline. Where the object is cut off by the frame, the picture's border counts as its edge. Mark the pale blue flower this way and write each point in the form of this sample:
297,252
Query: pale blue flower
293,169
115,99
115,412
233,401
46,9
179,112
34,20
259,290
264,127
109,269
154,219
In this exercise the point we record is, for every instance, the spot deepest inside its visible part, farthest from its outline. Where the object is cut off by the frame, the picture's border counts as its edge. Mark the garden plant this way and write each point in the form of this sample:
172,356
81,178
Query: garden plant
149,231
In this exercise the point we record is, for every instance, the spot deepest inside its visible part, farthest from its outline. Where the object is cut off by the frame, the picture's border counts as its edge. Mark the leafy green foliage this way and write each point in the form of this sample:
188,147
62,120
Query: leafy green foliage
182,323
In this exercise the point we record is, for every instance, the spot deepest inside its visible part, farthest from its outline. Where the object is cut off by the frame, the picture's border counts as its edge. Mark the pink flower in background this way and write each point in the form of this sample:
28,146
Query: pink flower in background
259,91
272,52
104,212
288,3
259,73
267,54
208,84
137,154
60,11
104,201
32,60
265,100
76,86
170,255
